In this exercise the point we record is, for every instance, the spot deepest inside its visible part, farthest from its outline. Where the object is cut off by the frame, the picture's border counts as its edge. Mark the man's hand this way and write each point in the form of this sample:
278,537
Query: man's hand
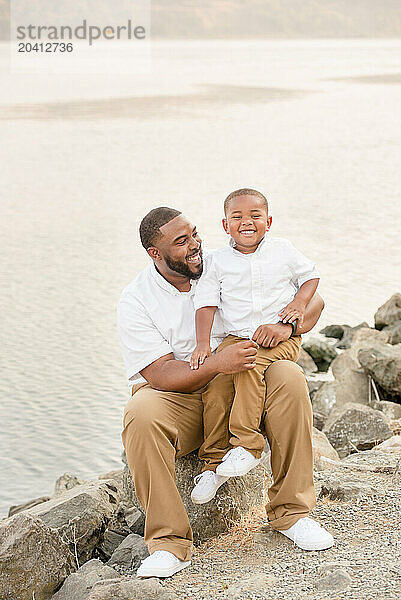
271,335
293,310
202,351
236,358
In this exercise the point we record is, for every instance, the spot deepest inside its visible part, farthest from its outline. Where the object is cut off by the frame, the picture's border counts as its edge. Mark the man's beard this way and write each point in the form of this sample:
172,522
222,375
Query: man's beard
183,269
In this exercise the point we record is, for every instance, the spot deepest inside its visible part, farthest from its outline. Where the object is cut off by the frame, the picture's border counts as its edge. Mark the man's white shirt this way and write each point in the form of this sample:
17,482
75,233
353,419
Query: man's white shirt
155,319
251,289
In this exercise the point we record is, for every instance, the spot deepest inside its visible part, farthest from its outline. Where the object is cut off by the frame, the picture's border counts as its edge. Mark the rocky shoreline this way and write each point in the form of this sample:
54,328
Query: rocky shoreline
85,542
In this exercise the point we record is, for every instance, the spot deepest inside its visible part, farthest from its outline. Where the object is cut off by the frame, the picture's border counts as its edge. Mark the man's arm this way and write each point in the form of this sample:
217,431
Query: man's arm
271,335
171,375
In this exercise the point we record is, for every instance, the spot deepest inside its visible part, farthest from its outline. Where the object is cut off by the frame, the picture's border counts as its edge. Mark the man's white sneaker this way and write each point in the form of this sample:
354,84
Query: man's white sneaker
206,486
237,462
309,535
161,564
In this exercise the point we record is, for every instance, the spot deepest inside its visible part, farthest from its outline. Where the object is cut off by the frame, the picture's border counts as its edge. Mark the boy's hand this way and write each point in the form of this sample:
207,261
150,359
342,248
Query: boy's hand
269,336
201,352
293,310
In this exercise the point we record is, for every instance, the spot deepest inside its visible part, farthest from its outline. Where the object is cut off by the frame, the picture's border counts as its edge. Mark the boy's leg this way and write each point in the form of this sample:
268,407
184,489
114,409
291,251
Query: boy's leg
250,392
157,428
217,399
288,425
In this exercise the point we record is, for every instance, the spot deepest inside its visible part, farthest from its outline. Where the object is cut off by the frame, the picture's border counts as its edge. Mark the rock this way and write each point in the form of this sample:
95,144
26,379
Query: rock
321,352
389,312
353,382
130,589
345,488
394,332
135,520
383,363
78,585
390,445
322,447
319,420
365,338
344,333
81,514
325,398
314,385
374,458
117,475
129,553
256,584
234,499
13,510
33,559
332,577
392,410
306,362
66,482
356,427
111,540
395,426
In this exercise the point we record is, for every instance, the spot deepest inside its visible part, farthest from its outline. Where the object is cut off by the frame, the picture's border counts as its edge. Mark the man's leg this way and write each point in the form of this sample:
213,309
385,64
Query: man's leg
250,392
288,425
157,428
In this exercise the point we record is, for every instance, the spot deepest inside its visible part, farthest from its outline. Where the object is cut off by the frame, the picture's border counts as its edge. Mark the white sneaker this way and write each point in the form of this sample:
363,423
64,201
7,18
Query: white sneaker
161,564
237,462
309,535
206,486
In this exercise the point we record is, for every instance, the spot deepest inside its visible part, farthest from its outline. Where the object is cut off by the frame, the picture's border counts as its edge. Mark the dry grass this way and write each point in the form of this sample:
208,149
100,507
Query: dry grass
239,535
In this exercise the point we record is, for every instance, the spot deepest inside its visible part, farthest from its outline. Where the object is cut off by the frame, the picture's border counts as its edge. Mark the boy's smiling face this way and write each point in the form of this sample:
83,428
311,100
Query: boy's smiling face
247,221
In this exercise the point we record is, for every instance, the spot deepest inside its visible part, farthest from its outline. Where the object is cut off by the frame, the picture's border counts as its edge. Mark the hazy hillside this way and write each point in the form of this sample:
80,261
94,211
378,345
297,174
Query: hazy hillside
256,18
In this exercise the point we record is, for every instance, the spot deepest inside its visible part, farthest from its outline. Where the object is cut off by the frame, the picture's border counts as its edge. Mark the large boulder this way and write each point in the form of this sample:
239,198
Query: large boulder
234,499
394,332
344,334
325,399
66,482
392,410
306,362
130,589
81,514
355,427
321,352
389,312
78,585
353,382
322,448
383,363
34,561
16,508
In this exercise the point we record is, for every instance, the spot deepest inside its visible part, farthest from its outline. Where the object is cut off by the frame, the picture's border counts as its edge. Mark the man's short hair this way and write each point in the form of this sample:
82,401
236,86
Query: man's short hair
244,192
149,228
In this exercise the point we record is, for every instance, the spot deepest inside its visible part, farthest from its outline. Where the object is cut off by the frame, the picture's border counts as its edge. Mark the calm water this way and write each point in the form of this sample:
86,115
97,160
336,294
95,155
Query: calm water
315,125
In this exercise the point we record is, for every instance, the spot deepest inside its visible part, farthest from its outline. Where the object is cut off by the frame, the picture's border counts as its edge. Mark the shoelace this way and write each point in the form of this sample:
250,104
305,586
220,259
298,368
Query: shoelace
205,477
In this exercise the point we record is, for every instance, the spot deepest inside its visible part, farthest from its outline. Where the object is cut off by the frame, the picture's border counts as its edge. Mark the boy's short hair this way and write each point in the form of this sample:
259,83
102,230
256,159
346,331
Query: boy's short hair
149,228
244,192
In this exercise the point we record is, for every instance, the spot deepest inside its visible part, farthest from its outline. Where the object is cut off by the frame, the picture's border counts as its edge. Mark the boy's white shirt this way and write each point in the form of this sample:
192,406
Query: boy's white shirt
251,289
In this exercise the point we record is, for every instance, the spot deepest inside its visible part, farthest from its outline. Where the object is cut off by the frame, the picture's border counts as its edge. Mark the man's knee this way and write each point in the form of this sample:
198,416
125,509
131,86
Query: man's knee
141,411
287,378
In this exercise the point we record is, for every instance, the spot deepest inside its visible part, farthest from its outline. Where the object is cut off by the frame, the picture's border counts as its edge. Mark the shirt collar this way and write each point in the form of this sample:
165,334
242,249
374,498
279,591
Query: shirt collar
166,285
262,243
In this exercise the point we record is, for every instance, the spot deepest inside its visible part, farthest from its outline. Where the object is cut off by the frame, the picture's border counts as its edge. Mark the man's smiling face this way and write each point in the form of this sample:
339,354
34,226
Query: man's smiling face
180,247
247,221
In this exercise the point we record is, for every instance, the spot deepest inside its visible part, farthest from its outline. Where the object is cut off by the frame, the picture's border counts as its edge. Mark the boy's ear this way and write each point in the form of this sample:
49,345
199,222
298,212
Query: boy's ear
269,223
154,253
225,225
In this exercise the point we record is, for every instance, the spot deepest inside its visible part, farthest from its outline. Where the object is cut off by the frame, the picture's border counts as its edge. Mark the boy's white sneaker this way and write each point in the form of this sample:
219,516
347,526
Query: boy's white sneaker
206,486
309,535
237,462
161,564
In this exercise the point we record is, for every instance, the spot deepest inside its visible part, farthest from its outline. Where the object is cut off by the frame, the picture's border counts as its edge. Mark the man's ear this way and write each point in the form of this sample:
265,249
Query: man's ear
269,223
225,225
154,253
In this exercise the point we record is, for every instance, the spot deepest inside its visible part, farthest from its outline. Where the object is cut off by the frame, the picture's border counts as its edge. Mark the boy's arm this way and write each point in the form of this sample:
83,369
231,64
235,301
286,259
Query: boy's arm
203,323
296,309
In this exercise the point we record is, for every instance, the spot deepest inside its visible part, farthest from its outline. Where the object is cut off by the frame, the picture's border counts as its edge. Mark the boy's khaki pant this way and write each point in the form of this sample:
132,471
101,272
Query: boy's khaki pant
160,426
242,415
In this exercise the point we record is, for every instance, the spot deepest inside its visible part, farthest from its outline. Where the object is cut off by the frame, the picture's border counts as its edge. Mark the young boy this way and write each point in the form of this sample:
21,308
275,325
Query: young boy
255,280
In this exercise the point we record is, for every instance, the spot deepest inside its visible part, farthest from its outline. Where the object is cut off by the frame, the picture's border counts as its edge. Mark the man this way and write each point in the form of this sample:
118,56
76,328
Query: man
163,418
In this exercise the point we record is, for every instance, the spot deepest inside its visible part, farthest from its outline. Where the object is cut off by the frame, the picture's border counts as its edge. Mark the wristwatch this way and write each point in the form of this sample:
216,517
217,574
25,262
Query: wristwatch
294,327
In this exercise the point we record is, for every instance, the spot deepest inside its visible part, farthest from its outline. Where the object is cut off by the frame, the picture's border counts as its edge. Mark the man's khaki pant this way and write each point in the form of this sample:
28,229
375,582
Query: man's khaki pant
159,427
235,404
